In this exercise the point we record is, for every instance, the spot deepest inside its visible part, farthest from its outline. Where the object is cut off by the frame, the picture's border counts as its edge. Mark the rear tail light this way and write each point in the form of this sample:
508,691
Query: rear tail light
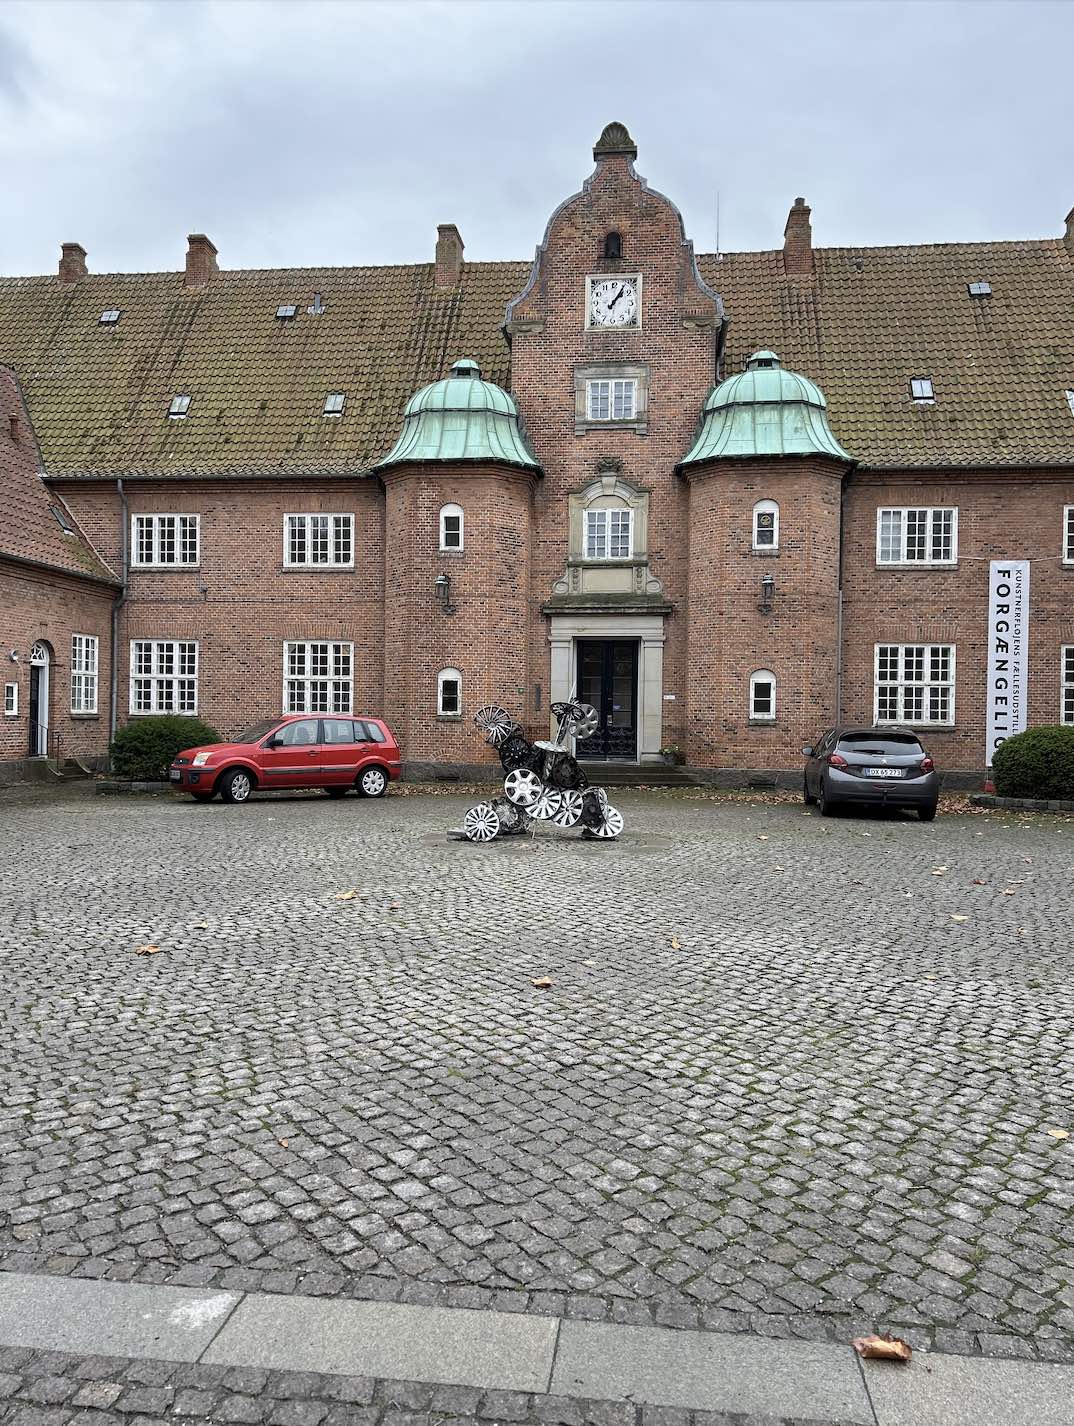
928,765
837,760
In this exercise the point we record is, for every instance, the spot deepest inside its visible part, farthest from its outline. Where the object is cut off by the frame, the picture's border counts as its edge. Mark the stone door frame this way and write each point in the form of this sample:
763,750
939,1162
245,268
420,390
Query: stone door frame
564,632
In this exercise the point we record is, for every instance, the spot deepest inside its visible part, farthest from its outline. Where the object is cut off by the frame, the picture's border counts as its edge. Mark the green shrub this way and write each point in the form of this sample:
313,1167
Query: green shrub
143,749
1036,763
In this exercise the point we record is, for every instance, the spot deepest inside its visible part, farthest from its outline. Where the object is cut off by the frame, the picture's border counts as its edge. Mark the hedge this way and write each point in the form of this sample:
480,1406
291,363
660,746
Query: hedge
143,750
1038,763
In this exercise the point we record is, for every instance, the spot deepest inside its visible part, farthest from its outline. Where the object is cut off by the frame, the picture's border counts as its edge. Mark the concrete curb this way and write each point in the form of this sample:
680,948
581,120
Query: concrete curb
540,1355
1022,804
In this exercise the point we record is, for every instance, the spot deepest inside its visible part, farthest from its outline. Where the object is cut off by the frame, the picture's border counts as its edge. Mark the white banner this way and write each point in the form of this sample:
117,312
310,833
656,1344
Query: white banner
1006,700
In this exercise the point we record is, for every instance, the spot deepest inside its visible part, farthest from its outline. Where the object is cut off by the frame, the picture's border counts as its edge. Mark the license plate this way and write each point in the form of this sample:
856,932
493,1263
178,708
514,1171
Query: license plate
175,774
883,772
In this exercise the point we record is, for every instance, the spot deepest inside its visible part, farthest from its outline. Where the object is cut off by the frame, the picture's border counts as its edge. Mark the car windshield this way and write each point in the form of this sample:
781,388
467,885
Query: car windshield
888,744
257,731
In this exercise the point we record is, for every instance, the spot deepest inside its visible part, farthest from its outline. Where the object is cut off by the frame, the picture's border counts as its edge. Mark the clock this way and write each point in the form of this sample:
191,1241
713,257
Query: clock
613,302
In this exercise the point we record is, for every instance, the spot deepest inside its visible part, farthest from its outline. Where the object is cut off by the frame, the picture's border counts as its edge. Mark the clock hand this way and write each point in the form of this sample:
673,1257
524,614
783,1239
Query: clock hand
616,298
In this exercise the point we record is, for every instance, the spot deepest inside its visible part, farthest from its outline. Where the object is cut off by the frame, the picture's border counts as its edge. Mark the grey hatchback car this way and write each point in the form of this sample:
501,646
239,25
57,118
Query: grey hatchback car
888,767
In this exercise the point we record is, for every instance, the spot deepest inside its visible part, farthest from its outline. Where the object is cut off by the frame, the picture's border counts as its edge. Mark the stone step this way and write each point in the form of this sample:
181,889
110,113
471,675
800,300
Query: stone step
637,775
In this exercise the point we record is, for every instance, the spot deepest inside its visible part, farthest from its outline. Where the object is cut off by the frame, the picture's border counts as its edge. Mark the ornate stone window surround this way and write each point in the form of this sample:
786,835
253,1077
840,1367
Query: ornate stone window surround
611,371
608,492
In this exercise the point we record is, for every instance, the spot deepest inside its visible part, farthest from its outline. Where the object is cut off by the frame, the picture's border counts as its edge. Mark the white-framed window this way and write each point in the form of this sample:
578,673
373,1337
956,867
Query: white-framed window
917,535
763,696
611,400
449,693
1066,682
11,700
609,534
1068,534
766,525
922,390
334,403
313,541
451,527
915,683
165,541
84,652
164,676
318,676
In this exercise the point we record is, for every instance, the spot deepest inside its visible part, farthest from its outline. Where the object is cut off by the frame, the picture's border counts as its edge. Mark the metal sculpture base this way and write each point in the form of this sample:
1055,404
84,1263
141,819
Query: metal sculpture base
542,783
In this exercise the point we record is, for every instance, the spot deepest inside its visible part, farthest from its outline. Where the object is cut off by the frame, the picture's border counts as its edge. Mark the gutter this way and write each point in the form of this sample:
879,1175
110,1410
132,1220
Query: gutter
839,599
121,599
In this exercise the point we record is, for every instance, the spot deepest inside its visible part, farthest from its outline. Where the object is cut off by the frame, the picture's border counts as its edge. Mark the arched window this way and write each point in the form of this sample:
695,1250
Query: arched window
613,245
451,531
766,525
762,696
449,693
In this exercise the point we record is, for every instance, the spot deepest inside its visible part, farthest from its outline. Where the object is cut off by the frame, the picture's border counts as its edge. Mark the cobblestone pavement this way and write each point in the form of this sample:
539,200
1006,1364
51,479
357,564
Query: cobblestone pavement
793,1075
54,1388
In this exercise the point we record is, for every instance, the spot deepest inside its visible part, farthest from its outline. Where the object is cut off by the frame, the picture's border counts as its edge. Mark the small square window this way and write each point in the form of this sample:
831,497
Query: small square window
286,311
108,318
179,407
333,404
979,289
62,520
921,388
1070,401
11,700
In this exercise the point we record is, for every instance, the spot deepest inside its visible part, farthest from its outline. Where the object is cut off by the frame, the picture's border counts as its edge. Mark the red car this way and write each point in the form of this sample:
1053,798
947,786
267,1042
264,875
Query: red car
293,751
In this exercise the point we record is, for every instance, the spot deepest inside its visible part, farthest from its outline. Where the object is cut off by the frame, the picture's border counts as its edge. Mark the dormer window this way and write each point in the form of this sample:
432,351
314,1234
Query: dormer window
179,407
333,403
62,520
921,390
108,318
613,246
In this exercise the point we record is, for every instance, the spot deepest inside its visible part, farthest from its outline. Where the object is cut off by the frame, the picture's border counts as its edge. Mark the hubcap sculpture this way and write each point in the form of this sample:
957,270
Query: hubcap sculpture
543,781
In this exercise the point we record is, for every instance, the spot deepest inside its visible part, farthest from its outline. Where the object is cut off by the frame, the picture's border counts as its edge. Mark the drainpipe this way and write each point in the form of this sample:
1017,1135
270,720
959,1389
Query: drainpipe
839,604
120,600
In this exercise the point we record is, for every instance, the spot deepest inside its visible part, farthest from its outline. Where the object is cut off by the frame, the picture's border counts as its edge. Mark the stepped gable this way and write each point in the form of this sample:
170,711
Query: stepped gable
30,514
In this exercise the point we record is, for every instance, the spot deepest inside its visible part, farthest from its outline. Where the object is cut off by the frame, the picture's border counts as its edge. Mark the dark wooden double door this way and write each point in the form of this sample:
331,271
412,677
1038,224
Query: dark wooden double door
608,679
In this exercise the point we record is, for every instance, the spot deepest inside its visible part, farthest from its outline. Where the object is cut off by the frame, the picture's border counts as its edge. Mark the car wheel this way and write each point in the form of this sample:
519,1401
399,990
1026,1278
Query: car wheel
373,782
236,785
807,796
927,814
337,791
825,803
202,796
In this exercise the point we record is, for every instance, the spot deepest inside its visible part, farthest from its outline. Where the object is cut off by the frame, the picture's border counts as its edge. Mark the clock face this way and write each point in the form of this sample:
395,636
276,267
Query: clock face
613,302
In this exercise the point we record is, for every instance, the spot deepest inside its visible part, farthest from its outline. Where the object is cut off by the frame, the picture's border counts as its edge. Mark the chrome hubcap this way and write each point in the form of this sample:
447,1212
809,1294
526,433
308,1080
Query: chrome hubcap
240,788
373,782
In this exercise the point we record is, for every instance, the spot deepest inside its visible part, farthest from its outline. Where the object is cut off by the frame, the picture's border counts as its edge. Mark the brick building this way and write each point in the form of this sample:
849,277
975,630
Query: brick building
729,498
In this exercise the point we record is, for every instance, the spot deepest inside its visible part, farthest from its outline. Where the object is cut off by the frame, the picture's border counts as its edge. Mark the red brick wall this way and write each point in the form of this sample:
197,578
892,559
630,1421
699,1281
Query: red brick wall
1016,515
51,607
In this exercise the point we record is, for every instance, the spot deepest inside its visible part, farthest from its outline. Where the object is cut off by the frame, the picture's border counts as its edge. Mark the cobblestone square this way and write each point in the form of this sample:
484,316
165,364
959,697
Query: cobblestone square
793,1075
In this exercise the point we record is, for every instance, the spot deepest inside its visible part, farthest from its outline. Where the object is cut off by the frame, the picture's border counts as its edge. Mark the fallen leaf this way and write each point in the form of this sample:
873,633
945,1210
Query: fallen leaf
1058,1133
959,918
589,963
544,983
346,895
283,1142
1010,891
938,870
395,906
675,946
762,839
884,1349
977,881
201,925
147,950
780,868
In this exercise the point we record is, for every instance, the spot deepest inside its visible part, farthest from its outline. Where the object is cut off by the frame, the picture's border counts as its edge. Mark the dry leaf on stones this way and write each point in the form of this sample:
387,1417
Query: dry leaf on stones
1058,1133
676,945
883,1349
147,950
959,918
544,983
346,895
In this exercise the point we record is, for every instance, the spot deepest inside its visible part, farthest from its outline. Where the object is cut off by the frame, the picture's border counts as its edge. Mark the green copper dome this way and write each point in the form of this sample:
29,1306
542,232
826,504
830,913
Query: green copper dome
764,411
461,418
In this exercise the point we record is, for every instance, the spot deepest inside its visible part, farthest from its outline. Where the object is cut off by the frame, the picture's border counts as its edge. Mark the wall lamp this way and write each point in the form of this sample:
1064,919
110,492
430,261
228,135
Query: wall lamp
442,585
14,655
768,589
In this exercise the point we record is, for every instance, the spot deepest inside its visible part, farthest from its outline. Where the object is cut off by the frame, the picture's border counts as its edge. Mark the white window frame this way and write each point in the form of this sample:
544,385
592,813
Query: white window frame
448,512
601,516
178,407
1066,685
327,670
331,542
618,388
11,700
766,507
905,685
85,660
1068,534
332,409
448,675
921,399
933,521
762,675
161,676
183,522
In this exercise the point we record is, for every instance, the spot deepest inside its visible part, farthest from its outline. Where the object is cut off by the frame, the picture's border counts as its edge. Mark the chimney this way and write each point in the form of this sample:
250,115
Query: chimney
200,260
448,255
72,262
1068,236
798,241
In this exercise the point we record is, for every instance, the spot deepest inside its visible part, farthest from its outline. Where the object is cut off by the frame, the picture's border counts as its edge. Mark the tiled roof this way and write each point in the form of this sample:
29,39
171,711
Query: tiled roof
29,529
870,320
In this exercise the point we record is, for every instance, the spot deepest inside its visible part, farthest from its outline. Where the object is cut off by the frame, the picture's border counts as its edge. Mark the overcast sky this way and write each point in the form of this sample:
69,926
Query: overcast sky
343,131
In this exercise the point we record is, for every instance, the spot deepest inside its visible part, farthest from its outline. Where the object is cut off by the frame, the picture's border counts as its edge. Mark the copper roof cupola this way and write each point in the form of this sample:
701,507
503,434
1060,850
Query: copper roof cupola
461,418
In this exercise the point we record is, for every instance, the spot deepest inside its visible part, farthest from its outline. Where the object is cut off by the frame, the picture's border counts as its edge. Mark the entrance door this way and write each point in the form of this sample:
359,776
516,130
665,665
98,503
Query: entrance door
39,671
608,679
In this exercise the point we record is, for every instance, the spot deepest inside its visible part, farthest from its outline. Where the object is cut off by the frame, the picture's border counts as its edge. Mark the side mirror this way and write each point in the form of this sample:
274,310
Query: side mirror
273,743
807,752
